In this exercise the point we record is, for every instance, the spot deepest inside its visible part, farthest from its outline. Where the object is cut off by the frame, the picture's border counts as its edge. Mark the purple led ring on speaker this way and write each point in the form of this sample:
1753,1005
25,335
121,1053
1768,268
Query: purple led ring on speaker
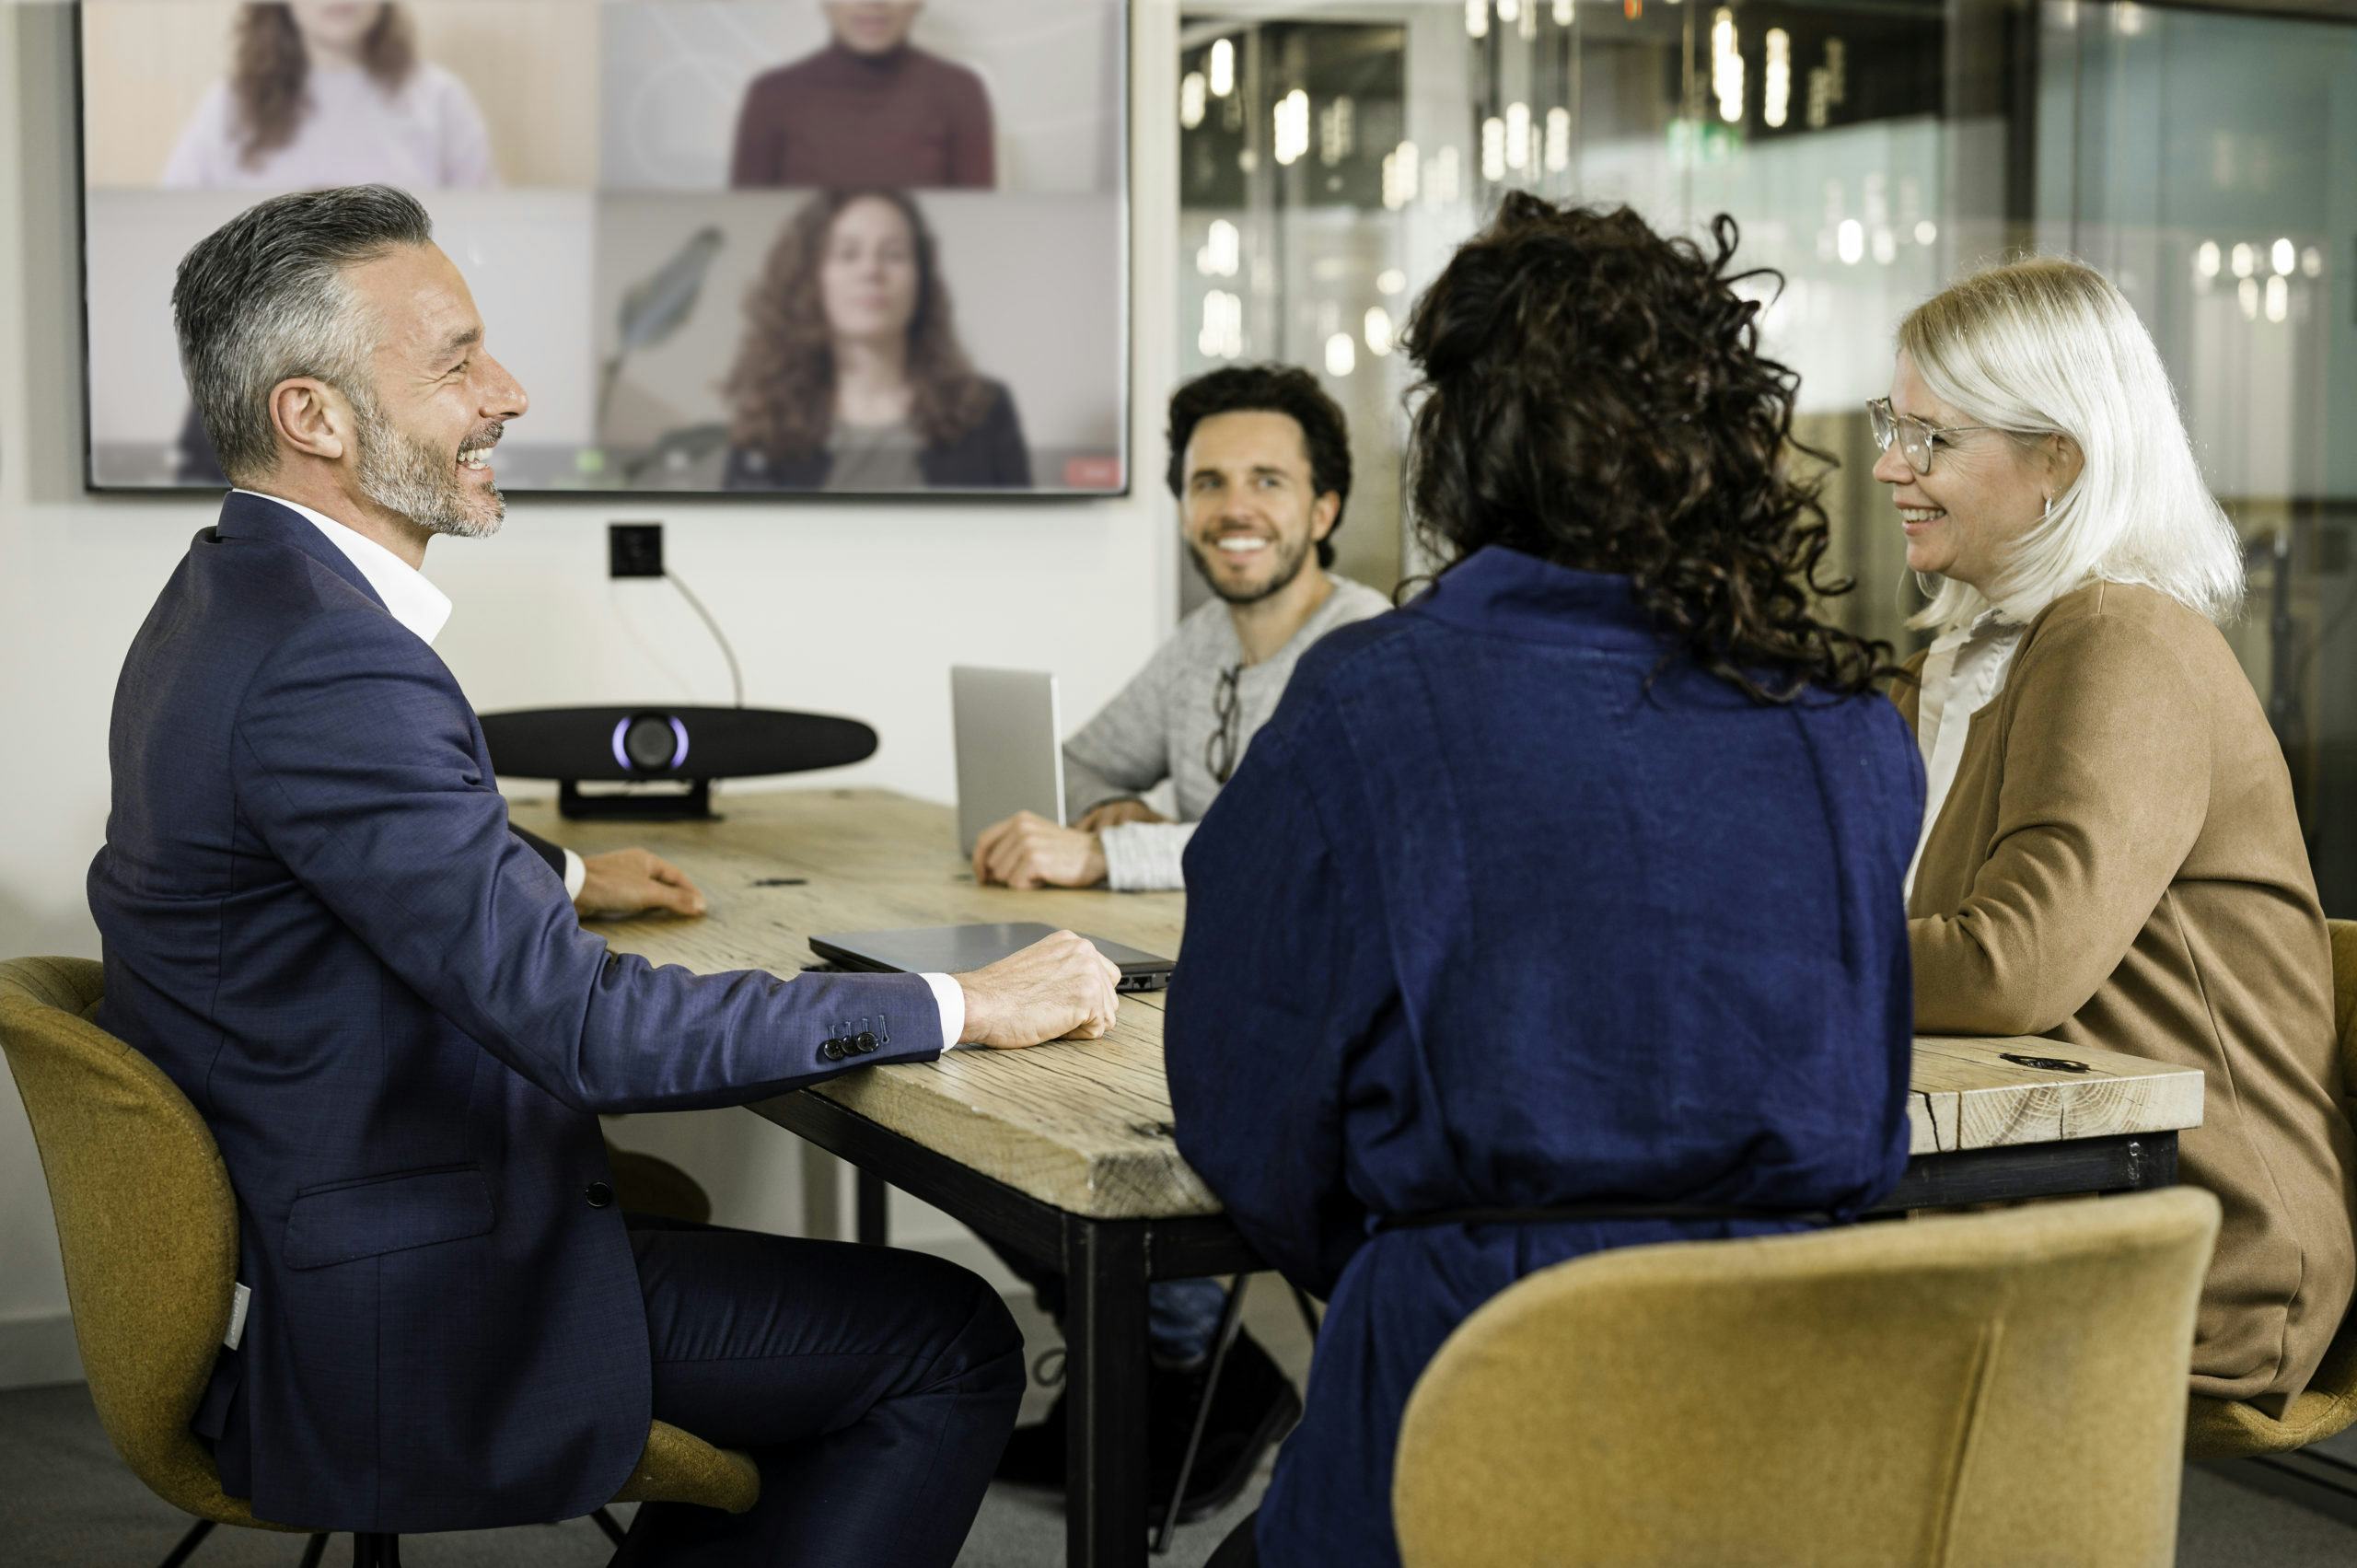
679,733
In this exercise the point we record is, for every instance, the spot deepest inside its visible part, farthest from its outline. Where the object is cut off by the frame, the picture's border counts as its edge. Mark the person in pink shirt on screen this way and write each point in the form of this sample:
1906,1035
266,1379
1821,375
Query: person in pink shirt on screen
870,110
331,92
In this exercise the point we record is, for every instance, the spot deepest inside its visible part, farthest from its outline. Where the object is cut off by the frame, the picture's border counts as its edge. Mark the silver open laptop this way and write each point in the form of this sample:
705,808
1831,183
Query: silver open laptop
1010,747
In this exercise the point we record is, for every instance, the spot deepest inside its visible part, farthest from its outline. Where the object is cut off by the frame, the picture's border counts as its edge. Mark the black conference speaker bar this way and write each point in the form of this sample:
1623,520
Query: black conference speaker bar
684,746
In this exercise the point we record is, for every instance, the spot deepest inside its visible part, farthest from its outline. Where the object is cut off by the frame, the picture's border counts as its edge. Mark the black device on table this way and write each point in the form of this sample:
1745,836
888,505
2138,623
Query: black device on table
954,949
685,748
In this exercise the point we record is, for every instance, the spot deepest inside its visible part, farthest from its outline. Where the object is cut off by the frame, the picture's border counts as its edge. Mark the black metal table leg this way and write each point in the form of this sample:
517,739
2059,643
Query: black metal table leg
1105,1388
313,1552
872,1224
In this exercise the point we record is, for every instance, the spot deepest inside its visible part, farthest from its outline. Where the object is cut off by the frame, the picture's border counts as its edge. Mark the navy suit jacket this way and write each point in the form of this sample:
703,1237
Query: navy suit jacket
1510,906
317,921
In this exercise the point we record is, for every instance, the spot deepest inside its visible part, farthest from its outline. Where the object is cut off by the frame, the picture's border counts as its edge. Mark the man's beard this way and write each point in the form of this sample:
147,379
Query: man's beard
1291,558
414,479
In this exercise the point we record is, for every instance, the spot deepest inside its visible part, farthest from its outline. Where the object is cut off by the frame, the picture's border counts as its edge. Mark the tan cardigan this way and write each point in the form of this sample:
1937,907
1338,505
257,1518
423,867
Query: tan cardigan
2117,864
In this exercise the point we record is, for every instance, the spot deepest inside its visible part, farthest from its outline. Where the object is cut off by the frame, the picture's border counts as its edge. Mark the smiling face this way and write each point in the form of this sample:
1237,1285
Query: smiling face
872,26
1252,512
1985,491
868,279
437,401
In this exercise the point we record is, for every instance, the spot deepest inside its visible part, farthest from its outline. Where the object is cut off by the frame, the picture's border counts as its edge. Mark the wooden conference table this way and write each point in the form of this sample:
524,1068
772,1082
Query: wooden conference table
1064,1154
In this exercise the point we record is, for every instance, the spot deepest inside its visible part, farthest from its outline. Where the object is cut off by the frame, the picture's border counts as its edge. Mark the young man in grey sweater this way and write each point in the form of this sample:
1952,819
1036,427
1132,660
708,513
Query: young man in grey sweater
1260,465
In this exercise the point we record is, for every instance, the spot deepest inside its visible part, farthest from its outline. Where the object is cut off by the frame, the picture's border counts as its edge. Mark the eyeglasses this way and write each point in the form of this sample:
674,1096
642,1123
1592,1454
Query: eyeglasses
1219,752
1917,440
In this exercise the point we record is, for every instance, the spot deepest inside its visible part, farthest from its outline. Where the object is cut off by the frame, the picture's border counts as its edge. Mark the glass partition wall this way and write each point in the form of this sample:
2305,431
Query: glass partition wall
2205,157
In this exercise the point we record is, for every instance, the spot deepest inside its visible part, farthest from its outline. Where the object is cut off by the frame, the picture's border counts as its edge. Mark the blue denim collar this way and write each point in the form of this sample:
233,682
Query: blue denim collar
1503,591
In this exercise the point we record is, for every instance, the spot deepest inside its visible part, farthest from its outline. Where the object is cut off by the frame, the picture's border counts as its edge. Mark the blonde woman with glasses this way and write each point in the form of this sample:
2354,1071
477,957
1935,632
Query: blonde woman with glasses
2109,855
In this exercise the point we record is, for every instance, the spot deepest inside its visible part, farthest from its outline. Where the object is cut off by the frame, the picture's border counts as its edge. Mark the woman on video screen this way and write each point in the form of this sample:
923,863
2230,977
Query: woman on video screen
850,378
331,92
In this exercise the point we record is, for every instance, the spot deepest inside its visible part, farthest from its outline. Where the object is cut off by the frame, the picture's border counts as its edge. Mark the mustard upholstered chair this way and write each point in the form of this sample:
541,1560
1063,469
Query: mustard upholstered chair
148,1228
2228,1429
2000,1390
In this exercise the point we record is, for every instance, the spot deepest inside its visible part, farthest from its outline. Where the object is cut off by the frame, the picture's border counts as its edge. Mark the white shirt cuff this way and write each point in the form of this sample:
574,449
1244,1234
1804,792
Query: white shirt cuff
950,997
1143,857
576,872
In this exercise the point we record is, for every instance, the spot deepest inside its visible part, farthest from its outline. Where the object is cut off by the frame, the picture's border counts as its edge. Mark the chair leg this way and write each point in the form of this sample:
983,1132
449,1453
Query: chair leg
189,1543
605,1522
1230,1318
313,1551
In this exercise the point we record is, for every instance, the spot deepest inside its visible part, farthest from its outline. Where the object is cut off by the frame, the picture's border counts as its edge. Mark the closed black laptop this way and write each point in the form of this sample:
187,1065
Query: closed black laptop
952,950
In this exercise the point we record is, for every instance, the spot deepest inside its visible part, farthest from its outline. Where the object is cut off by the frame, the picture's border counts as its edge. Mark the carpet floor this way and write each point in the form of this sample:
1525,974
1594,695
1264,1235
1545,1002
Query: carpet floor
66,1502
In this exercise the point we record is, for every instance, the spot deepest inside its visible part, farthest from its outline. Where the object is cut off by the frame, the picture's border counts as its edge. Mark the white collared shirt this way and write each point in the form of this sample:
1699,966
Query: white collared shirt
1963,673
424,610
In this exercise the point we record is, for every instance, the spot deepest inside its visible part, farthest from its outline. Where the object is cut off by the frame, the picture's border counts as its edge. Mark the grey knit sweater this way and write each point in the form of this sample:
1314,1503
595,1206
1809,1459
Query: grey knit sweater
1160,726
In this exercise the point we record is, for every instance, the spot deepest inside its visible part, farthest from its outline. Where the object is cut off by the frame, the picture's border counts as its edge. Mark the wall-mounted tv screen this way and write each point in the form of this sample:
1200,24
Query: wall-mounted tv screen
752,247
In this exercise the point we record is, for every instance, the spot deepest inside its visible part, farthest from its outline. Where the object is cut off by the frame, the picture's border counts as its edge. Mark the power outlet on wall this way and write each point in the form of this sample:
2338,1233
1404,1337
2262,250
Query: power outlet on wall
634,550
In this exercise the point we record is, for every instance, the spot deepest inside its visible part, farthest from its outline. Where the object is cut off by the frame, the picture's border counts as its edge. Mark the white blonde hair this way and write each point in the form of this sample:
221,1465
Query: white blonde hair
2049,346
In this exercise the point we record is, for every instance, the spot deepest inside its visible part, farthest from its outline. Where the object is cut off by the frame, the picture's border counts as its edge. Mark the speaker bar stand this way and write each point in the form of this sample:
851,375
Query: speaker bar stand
637,805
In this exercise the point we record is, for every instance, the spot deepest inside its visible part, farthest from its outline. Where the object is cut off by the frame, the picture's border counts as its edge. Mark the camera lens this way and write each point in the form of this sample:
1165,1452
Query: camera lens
649,742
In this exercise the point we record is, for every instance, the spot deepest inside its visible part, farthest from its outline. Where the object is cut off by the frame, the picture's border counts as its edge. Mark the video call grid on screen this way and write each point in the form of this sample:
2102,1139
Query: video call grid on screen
670,213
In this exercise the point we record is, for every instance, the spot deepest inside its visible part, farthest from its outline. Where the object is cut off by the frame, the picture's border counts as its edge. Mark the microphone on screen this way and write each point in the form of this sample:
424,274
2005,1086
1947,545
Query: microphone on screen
658,304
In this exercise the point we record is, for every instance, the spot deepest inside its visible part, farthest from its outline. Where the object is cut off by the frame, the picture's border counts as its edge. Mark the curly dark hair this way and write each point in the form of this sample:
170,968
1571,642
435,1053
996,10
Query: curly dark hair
783,386
269,68
1594,395
1270,389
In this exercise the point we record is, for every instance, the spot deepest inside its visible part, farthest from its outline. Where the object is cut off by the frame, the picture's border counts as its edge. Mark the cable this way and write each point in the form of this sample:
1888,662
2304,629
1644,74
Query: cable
736,677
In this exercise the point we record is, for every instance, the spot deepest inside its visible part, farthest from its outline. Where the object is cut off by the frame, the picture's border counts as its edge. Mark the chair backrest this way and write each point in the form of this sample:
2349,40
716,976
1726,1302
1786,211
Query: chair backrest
145,1220
2004,1387
2232,1429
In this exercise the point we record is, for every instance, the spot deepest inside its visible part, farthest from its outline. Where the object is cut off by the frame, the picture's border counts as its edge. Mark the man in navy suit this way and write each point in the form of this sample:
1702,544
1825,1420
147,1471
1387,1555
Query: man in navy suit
318,920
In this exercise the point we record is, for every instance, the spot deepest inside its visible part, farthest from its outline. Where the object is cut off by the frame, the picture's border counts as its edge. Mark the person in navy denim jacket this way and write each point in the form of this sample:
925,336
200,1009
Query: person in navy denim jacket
1559,909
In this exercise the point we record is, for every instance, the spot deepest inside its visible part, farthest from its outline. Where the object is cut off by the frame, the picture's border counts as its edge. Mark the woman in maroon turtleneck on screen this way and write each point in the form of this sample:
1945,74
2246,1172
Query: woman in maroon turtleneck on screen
868,110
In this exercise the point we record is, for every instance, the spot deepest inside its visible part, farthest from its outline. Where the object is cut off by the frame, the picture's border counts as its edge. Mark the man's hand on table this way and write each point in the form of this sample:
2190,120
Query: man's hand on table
627,881
1029,851
1116,813
1061,987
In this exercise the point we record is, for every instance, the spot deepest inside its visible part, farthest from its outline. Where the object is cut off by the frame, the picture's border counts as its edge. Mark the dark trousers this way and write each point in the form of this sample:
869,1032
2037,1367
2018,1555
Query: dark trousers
874,1388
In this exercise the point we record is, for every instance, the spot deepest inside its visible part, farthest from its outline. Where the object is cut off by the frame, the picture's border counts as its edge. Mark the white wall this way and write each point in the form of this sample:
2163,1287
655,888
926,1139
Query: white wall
857,608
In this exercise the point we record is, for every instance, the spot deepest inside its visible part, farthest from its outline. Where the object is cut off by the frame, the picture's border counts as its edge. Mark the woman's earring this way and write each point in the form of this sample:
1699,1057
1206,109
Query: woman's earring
2048,510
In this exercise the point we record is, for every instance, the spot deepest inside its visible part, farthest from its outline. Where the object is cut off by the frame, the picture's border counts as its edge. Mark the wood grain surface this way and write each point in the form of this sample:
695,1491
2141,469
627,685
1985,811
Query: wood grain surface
1971,1098
1085,1126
